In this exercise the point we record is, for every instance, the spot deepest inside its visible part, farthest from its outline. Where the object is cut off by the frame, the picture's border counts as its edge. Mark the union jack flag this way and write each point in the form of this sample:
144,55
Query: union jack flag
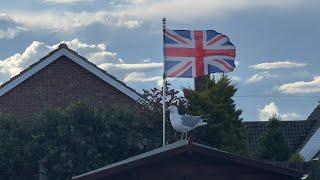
197,53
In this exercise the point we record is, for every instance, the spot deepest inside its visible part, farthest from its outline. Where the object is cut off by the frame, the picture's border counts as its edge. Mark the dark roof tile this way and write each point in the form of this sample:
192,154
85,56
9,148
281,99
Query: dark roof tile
294,132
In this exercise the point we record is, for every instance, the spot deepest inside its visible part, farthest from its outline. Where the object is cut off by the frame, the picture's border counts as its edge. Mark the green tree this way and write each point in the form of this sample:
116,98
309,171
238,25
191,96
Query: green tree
13,155
272,145
224,130
296,157
154,98
79,139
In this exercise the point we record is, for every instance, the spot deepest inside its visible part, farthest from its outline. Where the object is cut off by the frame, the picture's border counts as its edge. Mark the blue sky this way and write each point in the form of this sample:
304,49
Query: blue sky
276,40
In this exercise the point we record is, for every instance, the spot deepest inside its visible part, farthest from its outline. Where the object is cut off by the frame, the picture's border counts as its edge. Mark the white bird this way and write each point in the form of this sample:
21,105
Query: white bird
184,123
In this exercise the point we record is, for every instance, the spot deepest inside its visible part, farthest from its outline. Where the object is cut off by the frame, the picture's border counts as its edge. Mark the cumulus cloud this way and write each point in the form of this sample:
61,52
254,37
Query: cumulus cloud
9,28
277,65
96,53
71,21
271,109
260,76
301,87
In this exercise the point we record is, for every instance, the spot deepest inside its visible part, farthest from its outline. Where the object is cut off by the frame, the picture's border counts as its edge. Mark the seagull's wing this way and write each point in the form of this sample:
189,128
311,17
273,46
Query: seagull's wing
194,116
190,121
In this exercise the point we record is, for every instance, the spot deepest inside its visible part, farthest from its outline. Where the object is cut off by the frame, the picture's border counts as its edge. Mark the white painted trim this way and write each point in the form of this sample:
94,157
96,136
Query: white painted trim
64,52
312,147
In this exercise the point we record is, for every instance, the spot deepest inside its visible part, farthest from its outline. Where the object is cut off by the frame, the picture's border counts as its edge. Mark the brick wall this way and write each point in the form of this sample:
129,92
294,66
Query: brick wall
57,85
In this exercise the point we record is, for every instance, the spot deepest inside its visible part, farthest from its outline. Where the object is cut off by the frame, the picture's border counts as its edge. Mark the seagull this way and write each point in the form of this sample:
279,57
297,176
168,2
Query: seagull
184,123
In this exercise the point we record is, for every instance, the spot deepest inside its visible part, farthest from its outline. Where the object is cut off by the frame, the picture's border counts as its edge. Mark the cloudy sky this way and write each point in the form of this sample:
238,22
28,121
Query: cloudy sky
277,43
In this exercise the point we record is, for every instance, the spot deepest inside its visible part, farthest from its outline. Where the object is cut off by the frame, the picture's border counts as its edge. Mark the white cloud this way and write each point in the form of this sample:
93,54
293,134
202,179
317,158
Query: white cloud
132,13
235,78
136,1
260,76
71,21
271,109
255,78
140,77
122,70
9,28
197,10
277,65
96,53
65,1
301,87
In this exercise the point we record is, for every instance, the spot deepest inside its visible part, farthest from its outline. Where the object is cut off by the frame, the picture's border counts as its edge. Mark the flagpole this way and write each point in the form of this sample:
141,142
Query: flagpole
164,91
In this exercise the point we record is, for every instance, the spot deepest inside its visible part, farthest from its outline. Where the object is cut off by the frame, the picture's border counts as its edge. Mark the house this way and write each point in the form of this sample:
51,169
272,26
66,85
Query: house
302,136
188,160
58,79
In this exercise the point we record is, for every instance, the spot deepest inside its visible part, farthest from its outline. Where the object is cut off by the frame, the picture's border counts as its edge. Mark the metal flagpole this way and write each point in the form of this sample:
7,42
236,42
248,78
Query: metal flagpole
164,90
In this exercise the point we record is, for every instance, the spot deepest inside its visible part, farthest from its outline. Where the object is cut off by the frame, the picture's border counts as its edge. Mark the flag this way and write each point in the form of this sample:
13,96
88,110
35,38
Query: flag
197,53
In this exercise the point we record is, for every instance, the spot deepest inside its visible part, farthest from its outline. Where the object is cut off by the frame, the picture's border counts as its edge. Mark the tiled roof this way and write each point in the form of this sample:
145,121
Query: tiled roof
180,147
307,149
295,132
314,116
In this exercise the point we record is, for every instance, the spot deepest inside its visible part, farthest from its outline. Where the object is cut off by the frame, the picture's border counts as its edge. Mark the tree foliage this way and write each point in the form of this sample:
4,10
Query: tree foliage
224,130
13,155
296,157
74,140
154,99
272,145
215,104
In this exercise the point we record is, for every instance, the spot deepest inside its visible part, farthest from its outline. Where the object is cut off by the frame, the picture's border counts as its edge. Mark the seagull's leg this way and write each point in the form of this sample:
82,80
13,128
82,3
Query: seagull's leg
186,135
181,135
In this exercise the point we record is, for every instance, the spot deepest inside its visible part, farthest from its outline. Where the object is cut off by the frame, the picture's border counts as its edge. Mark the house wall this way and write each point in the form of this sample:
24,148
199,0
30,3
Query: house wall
57,85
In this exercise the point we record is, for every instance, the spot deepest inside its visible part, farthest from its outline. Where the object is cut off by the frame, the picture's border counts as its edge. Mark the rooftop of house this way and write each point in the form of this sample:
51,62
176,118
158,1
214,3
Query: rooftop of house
296,133
189,147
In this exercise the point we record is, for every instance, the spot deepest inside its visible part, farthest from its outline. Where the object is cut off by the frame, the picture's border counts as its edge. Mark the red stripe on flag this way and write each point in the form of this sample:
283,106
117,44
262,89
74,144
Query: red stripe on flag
215,39
198,36
224,64
176,72
180,52
221,52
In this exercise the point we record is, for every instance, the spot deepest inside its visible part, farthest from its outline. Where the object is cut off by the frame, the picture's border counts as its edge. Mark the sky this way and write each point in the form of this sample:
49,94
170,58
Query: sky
277,44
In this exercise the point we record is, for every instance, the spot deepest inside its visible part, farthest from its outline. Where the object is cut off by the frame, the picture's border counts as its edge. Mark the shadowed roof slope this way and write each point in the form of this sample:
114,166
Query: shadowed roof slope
295,132
180,147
